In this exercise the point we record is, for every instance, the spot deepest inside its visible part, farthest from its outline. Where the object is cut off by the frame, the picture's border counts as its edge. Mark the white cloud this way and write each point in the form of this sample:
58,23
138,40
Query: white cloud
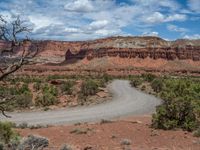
79,6
176,17
109,32
175,28
158,17
170,4
150,33
192,37
40,21
194,5
72,30
88,19
98,24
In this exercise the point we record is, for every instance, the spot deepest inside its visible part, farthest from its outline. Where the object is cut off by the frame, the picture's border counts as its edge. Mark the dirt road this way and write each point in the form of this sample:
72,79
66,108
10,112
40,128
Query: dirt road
126,101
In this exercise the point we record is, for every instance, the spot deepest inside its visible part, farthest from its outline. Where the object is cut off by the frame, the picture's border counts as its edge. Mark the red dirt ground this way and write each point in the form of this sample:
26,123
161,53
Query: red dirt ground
108,136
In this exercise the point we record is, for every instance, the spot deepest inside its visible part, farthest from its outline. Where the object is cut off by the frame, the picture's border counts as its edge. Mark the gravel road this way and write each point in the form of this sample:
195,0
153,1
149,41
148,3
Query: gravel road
126,101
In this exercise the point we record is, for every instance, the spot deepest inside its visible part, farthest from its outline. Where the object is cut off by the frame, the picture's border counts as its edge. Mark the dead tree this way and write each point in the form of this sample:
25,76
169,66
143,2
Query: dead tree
11,33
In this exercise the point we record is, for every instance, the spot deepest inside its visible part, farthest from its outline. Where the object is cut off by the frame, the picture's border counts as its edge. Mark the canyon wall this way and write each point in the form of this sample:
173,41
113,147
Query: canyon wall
140,47
123,47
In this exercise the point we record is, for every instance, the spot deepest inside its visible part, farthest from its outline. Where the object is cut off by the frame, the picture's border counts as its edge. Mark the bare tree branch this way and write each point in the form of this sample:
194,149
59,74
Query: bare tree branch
9,32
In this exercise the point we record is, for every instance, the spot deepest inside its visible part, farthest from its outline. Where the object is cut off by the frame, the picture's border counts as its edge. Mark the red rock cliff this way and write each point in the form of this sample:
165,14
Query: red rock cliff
124,47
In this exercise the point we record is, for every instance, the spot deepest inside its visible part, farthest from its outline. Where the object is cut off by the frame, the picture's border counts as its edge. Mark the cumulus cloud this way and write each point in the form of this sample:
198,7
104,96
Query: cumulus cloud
88,19
150,33
72,30
158,17
40,21
194,5
79,6
175,28
176,17
192,37
169,4
98,24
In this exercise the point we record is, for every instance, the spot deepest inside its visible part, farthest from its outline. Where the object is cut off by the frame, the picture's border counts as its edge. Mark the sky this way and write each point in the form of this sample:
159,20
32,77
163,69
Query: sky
71,20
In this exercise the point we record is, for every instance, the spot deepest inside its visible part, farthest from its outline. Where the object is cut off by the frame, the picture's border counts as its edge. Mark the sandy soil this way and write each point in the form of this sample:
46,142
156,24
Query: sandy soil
110,136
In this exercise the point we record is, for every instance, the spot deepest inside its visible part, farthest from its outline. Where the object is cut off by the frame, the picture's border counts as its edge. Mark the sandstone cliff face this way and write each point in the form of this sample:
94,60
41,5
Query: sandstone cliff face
140,47
123,47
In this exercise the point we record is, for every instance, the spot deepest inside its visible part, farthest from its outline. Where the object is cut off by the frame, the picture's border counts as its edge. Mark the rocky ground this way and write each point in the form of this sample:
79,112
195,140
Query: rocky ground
116,66
133,133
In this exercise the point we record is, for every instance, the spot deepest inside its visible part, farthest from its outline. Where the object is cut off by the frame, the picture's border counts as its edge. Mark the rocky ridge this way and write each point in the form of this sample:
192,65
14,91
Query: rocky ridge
124,47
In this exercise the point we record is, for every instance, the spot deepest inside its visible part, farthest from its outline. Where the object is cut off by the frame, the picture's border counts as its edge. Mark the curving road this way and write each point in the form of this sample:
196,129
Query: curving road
126,101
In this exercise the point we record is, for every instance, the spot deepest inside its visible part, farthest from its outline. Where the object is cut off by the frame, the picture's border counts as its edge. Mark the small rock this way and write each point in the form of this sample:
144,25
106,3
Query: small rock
126,142
113,136
101,94
88,148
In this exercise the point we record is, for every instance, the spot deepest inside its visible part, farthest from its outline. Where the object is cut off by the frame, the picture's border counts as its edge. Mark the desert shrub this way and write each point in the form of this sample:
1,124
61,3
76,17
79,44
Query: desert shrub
24,89
6,132
33,142
80,130
37,86
126,142
66,147
107,77
54,77
135,82
1,146
82,99
197,132
157,85
46,99
89,87
143,88
50,89
14,142
67,87
174,114
48,96
24,100
18,90
181,106
148,77
22,125
22,97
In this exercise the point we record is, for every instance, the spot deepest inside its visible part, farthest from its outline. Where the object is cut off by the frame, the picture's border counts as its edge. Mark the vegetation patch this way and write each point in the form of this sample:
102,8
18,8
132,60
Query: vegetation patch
181,101
8,137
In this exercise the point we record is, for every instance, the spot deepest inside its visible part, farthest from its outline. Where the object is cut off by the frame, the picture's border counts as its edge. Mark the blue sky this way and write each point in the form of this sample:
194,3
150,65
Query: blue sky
91,19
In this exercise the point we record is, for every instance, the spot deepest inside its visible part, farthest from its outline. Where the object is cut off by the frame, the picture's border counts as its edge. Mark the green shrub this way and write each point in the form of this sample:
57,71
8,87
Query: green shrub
181,106
6,132
1,146
135,82
197,132
66,147
37,86
24,100
148,77
157,85
89,87
23,125
176,113
107,77
143,88
24,89
46,99
50,89
67,87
